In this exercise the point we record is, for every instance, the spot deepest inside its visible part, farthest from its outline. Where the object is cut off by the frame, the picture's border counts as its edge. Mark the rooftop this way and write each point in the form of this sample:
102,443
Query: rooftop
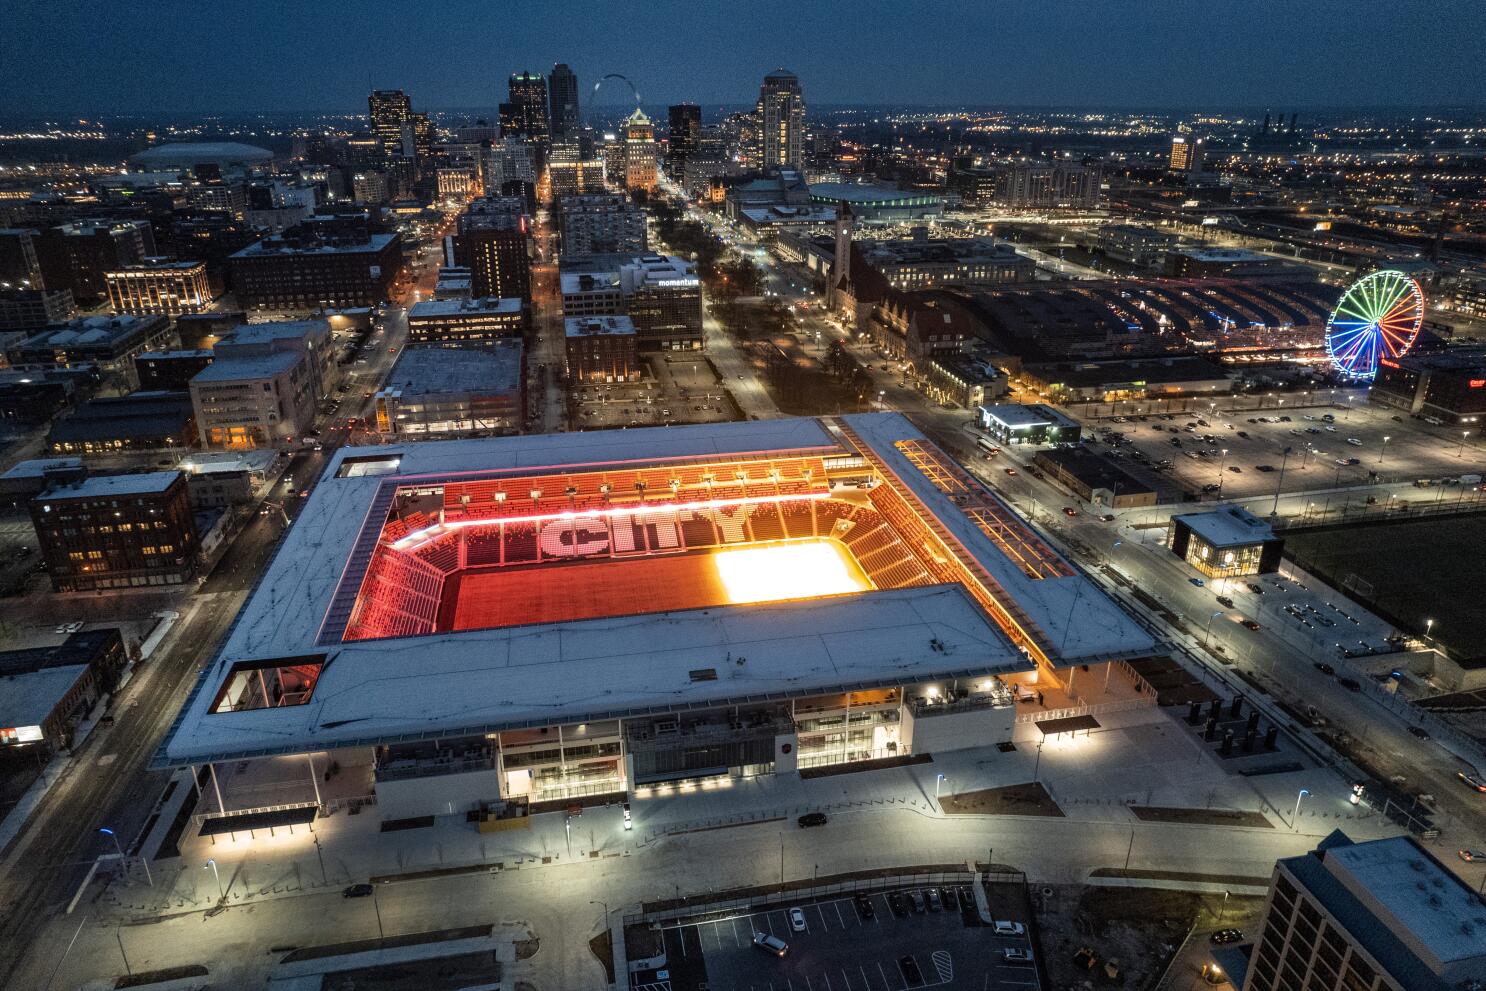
432,308
111,486
38,467
1410,914
29,698
236,368
207,462
596,326
332,246
276,330
868,193
188,153
98,330
1019,416
487,369
1228,526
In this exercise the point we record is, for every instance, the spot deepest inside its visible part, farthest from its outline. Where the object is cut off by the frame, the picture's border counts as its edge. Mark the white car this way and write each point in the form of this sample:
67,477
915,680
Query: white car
1010,929
796,920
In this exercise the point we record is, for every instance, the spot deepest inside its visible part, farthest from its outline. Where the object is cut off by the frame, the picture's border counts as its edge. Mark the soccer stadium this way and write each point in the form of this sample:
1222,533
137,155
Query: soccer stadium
457,626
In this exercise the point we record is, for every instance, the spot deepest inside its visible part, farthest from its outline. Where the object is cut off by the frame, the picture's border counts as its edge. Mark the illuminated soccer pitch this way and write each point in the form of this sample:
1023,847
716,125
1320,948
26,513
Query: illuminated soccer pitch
793,570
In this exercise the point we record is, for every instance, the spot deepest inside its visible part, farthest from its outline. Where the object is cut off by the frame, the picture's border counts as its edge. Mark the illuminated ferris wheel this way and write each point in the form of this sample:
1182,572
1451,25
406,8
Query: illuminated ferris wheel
1377,319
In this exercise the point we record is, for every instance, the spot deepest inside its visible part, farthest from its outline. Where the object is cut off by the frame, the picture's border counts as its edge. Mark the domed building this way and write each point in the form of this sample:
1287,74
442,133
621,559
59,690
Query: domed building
184,155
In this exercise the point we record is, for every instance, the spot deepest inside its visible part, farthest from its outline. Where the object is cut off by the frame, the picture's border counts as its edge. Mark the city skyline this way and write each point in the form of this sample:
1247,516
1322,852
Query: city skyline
1055,55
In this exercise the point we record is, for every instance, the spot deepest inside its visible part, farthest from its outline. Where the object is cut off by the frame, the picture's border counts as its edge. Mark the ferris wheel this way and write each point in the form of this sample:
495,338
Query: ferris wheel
1377,319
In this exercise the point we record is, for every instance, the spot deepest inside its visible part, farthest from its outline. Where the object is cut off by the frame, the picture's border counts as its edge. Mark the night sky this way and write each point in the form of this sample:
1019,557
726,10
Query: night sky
127,55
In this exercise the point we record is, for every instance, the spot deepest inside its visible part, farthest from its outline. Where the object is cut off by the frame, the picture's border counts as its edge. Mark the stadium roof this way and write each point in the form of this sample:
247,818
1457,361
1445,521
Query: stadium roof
410,687
185,154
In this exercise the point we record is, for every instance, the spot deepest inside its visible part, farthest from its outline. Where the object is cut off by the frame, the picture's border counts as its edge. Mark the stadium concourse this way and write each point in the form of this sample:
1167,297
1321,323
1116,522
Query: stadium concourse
460,627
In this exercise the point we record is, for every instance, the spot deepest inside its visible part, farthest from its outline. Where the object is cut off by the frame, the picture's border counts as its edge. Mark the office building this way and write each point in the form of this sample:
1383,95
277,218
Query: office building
639,152
1186,154
159,285
963,380
1384,915
508,160
1234,263
524,115
1108,381
220,479
453,283
571,174
79,255
249,402
662,294
117,531
30,309
683,136
490,240
107,344
608,223
19,266
442,392
601,349
566,121
219,195
389,110
169,371
140,421
717,575
304,270
1449,385
1225,542
1142,247
467,322
1049,185
50,690
780,114
312,338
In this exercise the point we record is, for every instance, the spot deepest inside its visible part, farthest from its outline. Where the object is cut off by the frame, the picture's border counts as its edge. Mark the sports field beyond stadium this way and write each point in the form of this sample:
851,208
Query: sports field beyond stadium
559,592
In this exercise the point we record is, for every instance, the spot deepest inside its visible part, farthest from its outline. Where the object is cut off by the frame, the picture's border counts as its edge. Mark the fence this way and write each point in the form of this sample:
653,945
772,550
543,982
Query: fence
774,815
1124,705
755,897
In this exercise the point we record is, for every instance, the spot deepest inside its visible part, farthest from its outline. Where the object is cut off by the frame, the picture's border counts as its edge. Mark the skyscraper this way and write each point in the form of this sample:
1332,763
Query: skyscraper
639,152
389,109
563,94
781,121
1186,153
525,114
685,130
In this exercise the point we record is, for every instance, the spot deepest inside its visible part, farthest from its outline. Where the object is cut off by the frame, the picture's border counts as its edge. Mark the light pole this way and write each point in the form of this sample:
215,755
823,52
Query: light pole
1295,817
1463,435
606,910
1222,464
1428,626
1207,637
939,779
216,874
1285,460
1384,448
145,861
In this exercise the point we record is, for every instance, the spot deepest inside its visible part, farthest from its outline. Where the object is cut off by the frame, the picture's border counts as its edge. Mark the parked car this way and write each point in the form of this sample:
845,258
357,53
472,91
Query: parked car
1225,602
909,967
864,905
1419,731
1197,581
951,903
1350,684
935,903
811,819
1016,954
770,944
1325,668
916,897
897,904
797,920
1005,928
357,891
1225,936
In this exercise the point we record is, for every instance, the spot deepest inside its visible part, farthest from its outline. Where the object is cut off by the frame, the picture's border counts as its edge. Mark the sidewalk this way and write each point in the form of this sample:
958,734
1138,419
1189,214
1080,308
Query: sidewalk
1093,779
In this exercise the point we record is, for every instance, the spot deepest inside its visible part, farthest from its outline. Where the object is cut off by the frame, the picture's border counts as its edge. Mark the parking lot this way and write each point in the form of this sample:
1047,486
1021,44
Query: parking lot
1360,445
677,389
841,945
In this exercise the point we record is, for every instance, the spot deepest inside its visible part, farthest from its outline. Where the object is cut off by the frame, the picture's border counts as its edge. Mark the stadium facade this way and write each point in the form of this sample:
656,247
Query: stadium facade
455,627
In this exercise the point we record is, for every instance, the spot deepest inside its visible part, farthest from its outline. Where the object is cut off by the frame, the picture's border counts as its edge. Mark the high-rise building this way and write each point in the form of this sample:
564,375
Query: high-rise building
608,223
781,121
1381,916
1186,153
306,269
389,110
19,266
684,134
639,152
491,241
563,95
76,256
524,115
159,285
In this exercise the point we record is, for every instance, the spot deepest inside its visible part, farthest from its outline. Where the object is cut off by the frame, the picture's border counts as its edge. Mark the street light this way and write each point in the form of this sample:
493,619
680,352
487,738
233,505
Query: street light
1295,817
1207,636
938,780
1428,625
1463,435
1384,449
144,861
1222,463
213,865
